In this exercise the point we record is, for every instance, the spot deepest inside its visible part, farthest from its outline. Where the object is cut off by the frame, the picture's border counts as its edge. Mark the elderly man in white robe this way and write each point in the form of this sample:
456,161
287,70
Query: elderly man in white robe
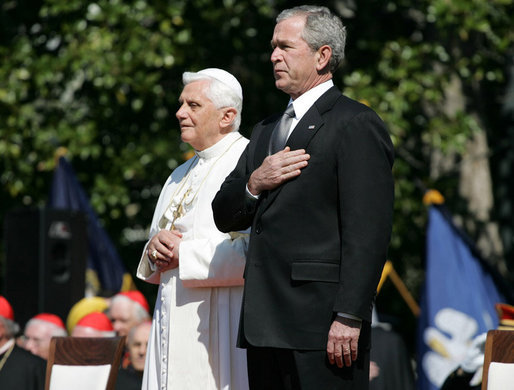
199,269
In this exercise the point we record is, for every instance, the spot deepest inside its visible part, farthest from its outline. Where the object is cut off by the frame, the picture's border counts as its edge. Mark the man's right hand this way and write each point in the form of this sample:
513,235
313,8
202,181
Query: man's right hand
277,169
166,245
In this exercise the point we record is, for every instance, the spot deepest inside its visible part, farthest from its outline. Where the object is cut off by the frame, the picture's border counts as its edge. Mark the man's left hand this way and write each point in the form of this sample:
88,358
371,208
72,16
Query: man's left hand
343,341
171,241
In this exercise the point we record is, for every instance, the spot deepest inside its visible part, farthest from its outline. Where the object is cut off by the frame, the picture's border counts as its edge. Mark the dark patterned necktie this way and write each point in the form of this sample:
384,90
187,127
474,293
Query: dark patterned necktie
281,131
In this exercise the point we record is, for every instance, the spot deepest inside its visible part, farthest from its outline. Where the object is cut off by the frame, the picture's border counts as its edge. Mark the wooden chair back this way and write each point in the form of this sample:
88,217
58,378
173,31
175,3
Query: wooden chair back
84,351
499,347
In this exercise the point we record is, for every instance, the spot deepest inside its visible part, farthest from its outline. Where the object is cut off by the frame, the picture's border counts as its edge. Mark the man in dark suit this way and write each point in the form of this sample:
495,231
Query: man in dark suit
321,214
19,369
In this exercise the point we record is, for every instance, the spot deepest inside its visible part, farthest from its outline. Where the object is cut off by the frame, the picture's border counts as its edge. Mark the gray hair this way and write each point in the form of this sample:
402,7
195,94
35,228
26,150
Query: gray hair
11,327
321,28
54,329
219,94
138,311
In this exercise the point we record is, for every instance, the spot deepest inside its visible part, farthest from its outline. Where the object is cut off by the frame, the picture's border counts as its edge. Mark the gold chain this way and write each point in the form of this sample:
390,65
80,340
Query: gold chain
6,355
179,211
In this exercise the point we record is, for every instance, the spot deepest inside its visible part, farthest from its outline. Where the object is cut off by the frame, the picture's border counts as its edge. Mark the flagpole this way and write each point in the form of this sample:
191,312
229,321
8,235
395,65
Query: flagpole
390,272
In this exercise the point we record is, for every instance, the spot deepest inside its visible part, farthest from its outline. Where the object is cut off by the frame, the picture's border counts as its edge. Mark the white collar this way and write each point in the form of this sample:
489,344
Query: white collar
303,103
219,147
6,346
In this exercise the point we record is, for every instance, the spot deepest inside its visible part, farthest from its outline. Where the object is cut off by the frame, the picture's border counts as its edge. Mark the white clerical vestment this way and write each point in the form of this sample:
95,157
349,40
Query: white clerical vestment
192,343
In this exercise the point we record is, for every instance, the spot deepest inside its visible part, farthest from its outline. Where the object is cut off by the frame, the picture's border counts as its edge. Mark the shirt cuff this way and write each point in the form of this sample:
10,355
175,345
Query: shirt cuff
248,193
350,316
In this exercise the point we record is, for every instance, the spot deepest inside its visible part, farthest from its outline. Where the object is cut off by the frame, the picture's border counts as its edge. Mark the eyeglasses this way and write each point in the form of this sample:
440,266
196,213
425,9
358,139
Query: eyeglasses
25,339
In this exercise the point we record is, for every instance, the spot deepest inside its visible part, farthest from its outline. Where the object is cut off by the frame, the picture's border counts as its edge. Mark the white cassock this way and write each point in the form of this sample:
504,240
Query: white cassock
192,343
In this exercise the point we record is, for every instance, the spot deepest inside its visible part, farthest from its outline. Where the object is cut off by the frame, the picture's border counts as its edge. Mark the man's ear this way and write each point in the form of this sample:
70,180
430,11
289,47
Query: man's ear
323,56
227,120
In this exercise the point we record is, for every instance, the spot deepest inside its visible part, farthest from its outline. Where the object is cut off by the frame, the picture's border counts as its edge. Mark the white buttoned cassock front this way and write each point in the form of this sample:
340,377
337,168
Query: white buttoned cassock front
193,338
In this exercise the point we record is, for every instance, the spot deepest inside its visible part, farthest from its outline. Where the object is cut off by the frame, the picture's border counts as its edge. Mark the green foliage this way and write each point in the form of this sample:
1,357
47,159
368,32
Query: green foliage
404,59
102,79
417,51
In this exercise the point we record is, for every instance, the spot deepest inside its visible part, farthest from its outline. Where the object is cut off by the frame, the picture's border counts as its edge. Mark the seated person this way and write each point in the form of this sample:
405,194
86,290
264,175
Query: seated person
19,369
131,377
39,330
128,309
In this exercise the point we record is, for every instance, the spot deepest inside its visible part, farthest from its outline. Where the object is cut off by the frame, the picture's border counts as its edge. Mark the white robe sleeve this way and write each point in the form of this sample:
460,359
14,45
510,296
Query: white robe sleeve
213,263
144,269
207,257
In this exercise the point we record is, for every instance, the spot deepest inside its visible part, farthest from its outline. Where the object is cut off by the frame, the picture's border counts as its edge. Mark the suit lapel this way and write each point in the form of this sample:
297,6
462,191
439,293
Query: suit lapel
305,129
301,136
312,121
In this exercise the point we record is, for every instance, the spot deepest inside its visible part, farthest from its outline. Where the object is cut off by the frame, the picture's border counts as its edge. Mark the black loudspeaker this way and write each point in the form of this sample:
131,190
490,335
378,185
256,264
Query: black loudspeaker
45,268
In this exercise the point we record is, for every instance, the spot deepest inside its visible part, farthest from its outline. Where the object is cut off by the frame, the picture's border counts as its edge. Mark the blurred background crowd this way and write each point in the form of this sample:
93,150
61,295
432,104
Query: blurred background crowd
87,134
25,349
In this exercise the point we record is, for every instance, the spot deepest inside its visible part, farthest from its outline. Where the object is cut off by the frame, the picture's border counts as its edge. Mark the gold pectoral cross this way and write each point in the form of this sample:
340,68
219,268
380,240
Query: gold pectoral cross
179,211
176,215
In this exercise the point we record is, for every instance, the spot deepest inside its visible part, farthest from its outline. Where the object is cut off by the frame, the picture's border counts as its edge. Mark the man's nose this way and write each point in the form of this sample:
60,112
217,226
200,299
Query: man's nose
30,345
275,55
181,112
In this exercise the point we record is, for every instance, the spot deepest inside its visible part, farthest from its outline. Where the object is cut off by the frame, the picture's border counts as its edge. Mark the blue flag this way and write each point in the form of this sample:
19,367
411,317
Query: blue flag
457,302
105,271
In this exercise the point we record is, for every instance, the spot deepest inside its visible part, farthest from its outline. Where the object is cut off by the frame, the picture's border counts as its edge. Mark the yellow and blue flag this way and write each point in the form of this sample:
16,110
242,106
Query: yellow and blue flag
105,272
457,300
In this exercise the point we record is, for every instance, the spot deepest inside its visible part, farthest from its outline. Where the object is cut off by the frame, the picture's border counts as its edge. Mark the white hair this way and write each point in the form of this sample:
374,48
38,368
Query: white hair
11,327
139,312
219,94
54,329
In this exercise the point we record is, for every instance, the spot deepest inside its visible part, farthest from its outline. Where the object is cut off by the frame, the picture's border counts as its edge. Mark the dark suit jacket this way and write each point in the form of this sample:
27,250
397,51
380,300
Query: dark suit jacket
22,371
318,242
129,379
